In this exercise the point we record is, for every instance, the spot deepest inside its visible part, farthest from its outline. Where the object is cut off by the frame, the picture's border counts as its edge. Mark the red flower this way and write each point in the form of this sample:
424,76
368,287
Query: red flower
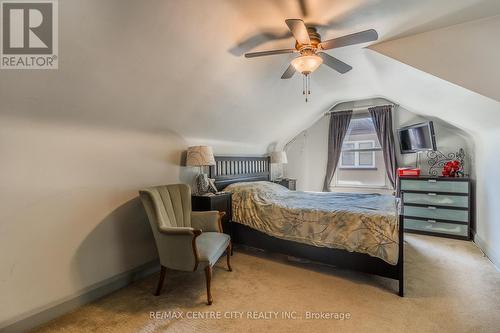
451,168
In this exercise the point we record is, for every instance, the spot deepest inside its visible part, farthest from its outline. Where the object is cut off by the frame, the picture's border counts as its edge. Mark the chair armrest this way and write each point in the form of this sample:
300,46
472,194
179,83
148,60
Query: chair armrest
179,231
178,248
207,220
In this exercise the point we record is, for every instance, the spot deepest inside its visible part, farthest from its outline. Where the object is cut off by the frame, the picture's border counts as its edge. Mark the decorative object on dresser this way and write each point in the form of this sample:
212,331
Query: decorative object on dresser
438,206
220,202
201,156
289,183
408,171
437,161
452,169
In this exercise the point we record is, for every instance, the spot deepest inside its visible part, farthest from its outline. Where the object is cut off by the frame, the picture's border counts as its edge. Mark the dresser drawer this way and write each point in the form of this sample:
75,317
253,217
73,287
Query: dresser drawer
434,185
433,198
432,212
437,227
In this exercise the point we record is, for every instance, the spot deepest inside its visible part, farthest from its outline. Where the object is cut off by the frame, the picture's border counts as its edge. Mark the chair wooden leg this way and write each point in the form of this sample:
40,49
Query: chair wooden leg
208,276
229,251
163,271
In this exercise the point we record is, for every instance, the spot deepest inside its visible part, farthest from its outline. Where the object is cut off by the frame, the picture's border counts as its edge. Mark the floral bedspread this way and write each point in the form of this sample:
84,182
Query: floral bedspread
365,223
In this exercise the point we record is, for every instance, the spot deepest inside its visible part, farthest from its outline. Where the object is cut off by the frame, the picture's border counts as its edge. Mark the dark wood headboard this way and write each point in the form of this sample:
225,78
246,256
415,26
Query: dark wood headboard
233,169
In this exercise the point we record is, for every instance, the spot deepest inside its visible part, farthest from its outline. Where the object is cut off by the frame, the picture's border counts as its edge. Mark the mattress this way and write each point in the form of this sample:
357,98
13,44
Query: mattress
364,223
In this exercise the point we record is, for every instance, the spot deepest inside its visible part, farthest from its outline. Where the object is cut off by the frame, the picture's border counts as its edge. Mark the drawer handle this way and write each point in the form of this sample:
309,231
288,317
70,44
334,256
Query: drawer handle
431,221
432,181
431,207
434,194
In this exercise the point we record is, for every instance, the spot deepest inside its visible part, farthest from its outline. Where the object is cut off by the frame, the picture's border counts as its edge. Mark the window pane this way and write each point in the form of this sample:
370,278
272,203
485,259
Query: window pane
366,158
348,145
366,145
361,129
348,159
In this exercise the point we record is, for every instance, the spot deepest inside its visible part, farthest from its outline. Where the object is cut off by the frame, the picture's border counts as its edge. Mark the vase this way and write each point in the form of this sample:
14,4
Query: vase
202,184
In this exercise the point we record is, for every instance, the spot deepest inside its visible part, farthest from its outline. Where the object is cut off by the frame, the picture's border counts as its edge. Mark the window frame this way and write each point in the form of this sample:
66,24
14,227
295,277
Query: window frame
356,150
335,181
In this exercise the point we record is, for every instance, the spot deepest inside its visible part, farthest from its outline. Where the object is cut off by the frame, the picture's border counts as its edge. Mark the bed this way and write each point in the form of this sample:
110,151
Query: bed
362,232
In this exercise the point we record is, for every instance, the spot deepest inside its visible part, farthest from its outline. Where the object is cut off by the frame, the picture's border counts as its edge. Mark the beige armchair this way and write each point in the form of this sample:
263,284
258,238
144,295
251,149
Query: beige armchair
186,240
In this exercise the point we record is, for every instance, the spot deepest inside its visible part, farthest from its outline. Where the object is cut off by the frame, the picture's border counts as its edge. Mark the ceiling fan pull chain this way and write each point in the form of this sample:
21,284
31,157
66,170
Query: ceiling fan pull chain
303,85
307,87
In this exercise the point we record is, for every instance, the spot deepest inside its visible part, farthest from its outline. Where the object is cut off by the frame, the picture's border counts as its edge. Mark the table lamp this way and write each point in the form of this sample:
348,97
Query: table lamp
200,156
279,157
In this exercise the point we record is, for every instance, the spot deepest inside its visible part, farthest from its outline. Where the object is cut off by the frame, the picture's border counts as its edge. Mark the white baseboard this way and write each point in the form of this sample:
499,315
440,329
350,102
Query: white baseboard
488,251
38,317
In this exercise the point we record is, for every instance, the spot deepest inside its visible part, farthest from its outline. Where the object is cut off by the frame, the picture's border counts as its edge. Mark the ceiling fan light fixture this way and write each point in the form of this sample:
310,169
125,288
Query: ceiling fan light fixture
309,44
307,64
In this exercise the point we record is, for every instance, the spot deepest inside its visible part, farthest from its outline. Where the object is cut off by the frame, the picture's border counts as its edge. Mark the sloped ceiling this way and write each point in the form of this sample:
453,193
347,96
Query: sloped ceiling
163,65
451,53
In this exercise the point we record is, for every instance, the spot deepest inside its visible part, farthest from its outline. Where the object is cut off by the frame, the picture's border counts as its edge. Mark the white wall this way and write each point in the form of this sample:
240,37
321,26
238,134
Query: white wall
307,152
307,157
488,194
69,212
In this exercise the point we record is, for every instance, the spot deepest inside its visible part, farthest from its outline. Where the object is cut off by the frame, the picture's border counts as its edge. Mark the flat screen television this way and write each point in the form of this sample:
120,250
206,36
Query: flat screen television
417,138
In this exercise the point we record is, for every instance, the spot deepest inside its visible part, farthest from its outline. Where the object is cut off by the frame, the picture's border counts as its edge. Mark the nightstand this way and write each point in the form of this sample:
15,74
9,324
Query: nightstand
289,183
220,202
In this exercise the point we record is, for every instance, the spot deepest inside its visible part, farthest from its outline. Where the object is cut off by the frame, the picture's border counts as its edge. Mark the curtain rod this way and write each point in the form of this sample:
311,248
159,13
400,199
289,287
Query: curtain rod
360,108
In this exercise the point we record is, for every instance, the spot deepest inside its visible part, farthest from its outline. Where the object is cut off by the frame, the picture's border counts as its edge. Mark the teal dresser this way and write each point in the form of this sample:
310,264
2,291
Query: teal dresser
437,206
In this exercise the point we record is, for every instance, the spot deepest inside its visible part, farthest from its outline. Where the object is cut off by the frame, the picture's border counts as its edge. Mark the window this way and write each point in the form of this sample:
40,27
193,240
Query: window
361,162
355,154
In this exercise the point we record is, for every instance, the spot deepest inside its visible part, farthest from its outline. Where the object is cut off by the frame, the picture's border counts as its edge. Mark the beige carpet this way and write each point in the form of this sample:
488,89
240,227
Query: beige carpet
450,287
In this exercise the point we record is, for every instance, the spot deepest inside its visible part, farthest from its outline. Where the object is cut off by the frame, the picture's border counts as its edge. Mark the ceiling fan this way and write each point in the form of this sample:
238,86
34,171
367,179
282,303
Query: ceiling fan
309,45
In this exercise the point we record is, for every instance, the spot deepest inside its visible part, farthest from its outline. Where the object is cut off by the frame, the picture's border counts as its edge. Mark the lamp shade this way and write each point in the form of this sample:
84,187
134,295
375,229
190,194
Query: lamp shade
200,156
279,157
307,64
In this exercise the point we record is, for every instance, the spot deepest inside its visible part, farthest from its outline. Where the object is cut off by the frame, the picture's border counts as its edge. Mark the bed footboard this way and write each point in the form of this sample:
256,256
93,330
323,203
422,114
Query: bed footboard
401,260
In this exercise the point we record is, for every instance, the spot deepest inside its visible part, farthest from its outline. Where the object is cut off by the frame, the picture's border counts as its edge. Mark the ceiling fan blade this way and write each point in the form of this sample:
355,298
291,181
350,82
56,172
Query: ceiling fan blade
289,72
267,53
334,63
355,38
299,30
257,39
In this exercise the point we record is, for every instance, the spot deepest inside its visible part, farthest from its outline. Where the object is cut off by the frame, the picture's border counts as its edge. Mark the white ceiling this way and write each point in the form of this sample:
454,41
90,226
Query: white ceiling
171,66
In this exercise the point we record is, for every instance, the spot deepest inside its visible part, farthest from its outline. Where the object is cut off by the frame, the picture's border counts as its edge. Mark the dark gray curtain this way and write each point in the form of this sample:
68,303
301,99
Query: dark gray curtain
339,123
382,119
